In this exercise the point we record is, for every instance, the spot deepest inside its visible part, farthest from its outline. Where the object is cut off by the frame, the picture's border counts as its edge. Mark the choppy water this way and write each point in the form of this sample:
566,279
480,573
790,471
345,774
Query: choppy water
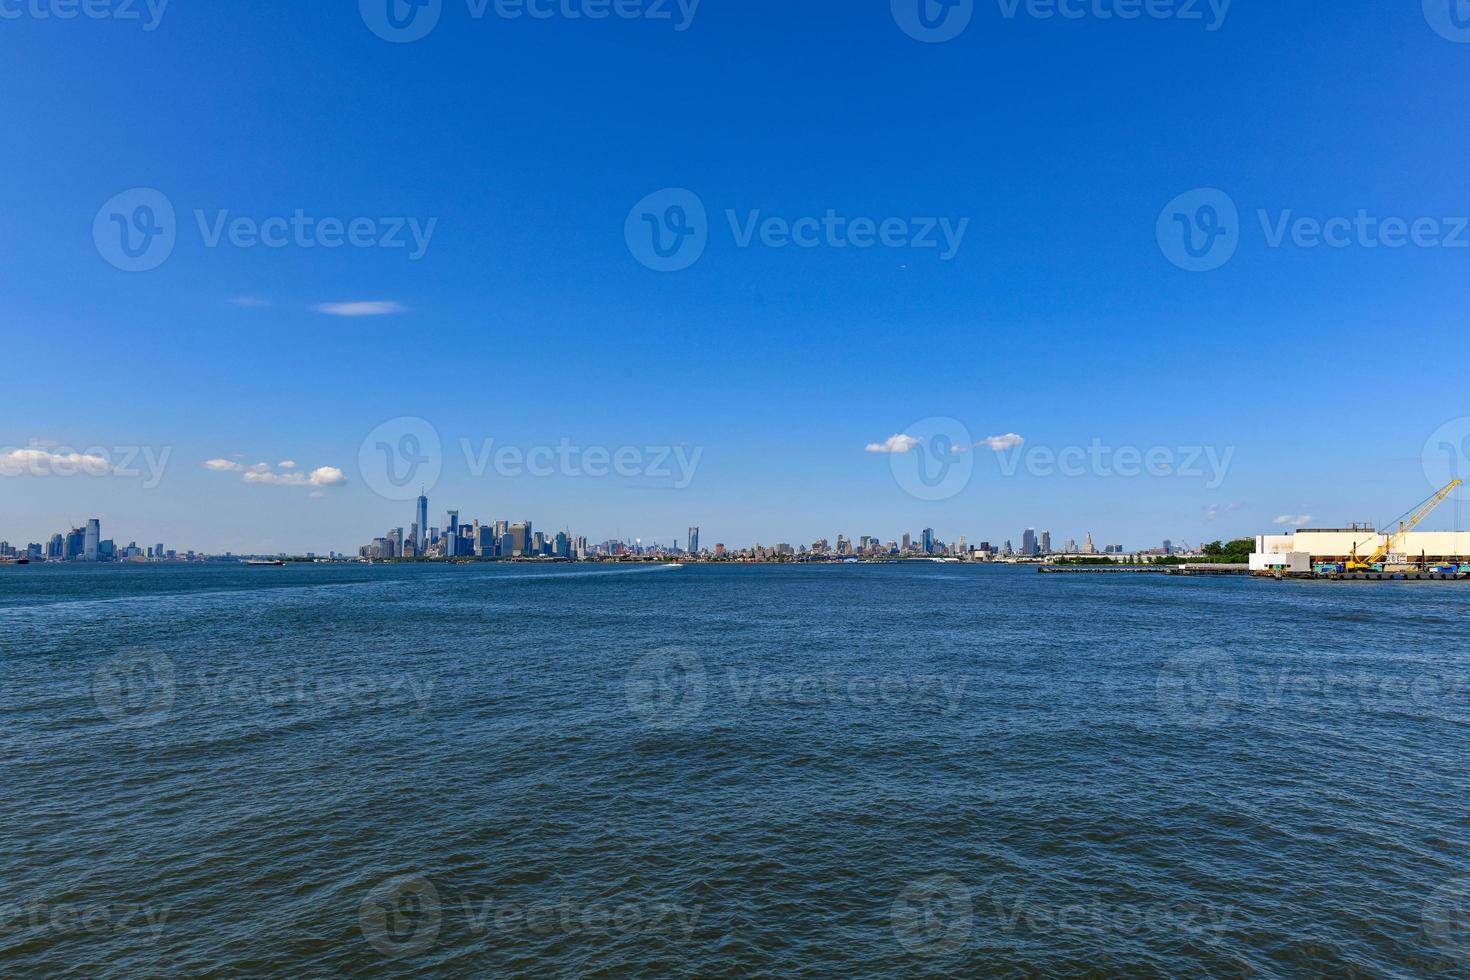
857,771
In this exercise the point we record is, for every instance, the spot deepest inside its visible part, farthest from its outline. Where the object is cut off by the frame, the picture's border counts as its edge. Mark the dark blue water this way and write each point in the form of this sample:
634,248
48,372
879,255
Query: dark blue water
774,771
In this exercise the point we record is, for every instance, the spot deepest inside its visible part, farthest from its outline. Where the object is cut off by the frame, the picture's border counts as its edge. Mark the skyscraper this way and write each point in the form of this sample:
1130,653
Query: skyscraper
90,542
421,515
1028,542
928,541
694,540
1046,542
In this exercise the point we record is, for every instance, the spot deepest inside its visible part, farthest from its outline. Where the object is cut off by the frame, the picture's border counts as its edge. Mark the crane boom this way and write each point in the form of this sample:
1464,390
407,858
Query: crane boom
1392,538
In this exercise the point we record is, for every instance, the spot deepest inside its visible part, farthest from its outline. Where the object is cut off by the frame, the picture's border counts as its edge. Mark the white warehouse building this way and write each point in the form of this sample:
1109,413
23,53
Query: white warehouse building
1297,552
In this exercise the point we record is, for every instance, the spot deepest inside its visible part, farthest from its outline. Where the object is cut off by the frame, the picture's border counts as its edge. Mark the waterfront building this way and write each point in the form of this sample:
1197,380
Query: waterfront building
694,540
1028,543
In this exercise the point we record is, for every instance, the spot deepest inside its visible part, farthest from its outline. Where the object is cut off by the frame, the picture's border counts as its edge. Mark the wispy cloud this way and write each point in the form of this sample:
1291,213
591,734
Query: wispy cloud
1293,520
248,301
1001,443
361,308
322,476
43,462
1215,511
895,444
286,464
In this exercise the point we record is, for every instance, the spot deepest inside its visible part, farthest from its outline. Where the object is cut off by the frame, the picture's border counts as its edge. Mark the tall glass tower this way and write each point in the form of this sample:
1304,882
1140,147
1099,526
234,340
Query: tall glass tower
422,516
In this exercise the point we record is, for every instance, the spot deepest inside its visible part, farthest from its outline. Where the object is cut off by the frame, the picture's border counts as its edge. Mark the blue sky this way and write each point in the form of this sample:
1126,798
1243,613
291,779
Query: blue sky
529,320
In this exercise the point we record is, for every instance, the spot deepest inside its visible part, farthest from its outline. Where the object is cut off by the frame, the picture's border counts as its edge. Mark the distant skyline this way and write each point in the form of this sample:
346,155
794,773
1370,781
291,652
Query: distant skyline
240,243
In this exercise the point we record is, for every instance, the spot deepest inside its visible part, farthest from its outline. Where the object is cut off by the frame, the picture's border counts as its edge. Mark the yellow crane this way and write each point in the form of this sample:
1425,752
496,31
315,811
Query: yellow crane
1392,539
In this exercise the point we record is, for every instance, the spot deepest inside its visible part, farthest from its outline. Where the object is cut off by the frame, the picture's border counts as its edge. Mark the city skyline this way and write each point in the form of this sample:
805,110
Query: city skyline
1061,314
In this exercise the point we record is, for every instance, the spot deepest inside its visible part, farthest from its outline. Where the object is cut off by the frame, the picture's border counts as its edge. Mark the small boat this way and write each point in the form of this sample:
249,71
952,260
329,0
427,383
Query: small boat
265,561
15,561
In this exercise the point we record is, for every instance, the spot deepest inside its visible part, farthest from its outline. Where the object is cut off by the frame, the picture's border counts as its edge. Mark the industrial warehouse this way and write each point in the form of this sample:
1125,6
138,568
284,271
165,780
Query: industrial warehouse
1363,551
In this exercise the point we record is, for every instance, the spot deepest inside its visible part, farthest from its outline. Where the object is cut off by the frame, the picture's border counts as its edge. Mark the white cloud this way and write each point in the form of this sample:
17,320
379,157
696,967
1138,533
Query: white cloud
1214,511
248,301
44,462
1001,443
360,308
327,476
895,444
264,473
1294,520
286,464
